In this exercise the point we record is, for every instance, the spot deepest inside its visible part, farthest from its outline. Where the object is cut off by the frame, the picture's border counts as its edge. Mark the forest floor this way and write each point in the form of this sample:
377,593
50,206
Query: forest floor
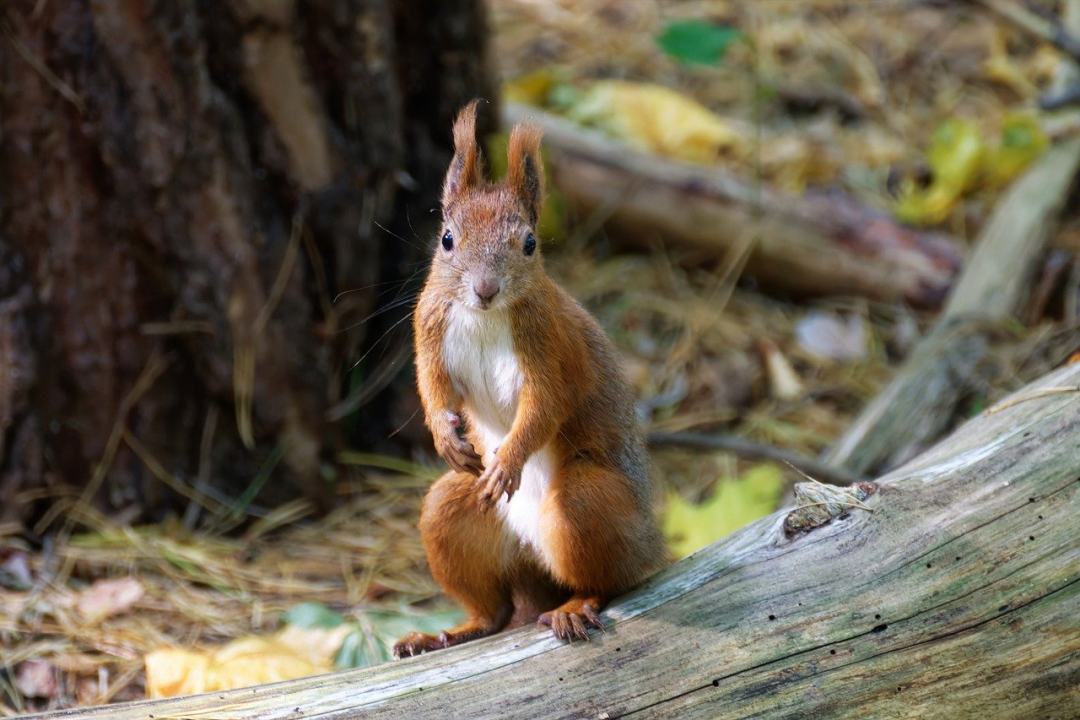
817,94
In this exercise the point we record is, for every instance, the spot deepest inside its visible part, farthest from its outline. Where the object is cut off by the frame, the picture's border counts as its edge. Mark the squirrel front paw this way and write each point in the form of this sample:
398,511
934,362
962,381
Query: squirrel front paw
500,476
457,451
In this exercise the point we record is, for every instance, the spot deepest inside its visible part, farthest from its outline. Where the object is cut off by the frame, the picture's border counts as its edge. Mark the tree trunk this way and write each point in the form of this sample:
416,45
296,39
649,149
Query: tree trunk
949,590
186,187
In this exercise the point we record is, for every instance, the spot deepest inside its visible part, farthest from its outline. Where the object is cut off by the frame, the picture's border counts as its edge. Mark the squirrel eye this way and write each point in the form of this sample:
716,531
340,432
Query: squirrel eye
448,240
530,244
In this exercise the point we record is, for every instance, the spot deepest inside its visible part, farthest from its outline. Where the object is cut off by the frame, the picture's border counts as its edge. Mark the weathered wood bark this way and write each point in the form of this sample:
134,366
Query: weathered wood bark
187,186
954,594
817,244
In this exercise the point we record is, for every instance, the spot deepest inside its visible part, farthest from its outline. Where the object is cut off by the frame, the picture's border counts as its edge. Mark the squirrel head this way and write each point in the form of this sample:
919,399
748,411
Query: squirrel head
488,254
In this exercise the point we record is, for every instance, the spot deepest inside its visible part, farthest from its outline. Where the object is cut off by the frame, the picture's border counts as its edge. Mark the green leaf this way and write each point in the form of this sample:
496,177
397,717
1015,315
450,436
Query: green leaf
735,503
352,653
312,615
376,631
697,41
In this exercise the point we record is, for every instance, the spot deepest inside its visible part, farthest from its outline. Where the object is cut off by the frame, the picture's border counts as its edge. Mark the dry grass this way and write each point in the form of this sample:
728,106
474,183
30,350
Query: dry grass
203,588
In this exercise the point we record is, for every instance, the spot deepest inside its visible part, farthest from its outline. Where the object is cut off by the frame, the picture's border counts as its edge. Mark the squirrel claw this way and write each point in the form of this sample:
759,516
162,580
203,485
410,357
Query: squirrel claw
417,643
496,480
592,616
460,455
571,626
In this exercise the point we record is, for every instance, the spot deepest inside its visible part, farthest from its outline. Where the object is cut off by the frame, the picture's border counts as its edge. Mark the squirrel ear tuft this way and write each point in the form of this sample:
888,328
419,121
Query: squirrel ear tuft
467,167
525,170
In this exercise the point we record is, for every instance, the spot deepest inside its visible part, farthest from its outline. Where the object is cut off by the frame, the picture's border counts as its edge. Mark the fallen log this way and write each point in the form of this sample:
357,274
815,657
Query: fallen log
817,244
949,589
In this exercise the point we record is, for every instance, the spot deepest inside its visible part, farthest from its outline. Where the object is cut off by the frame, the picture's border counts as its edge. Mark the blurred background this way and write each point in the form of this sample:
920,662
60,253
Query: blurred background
215,218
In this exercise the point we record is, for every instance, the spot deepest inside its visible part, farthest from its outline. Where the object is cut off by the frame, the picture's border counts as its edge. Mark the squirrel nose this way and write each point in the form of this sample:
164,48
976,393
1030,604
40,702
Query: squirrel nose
486,288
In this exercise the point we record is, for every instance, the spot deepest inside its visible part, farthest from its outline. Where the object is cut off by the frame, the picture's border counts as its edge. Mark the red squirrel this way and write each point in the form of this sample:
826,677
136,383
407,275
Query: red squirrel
546,513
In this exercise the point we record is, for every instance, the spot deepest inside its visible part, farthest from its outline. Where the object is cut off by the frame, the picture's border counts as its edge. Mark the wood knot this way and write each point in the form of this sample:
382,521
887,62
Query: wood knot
817,504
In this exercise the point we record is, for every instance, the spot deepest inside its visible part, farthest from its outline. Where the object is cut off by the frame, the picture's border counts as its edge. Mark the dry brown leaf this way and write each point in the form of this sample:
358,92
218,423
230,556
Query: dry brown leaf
784,383
827,336
108,597
36,679
15,569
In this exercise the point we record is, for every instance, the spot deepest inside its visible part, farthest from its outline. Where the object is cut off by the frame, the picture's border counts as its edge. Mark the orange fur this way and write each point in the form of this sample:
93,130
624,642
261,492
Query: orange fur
593,534
466,168
525,169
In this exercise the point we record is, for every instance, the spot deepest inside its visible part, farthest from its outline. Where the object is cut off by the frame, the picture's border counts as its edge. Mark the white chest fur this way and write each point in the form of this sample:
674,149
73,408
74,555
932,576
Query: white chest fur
478,349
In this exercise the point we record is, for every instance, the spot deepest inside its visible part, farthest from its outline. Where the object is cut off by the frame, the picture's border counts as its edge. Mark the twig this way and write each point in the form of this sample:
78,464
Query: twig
202,475
158,470
288,262
850,502
752,450
1033,395
51,78
155,366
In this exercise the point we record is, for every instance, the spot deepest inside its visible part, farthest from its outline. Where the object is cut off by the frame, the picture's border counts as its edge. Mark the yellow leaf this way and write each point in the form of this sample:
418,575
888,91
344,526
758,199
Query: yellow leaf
656,119
955,151
257,661
290,653
961,162
955,156
735,503
531,89
1022,141
174,671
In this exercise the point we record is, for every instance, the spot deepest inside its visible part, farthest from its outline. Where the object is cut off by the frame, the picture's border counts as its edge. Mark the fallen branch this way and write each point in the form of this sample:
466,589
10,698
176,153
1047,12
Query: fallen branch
952,598
819,243
753,451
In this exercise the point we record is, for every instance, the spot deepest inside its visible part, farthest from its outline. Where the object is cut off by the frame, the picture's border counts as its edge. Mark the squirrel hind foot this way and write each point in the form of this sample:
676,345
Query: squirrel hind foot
417,643
572,620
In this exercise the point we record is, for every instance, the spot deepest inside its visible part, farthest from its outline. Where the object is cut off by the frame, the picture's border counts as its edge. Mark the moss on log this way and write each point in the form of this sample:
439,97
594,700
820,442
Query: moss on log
954,594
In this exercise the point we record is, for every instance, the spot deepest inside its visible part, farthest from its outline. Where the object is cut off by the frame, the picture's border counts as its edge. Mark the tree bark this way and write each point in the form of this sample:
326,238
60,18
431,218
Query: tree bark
187,187
949,590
